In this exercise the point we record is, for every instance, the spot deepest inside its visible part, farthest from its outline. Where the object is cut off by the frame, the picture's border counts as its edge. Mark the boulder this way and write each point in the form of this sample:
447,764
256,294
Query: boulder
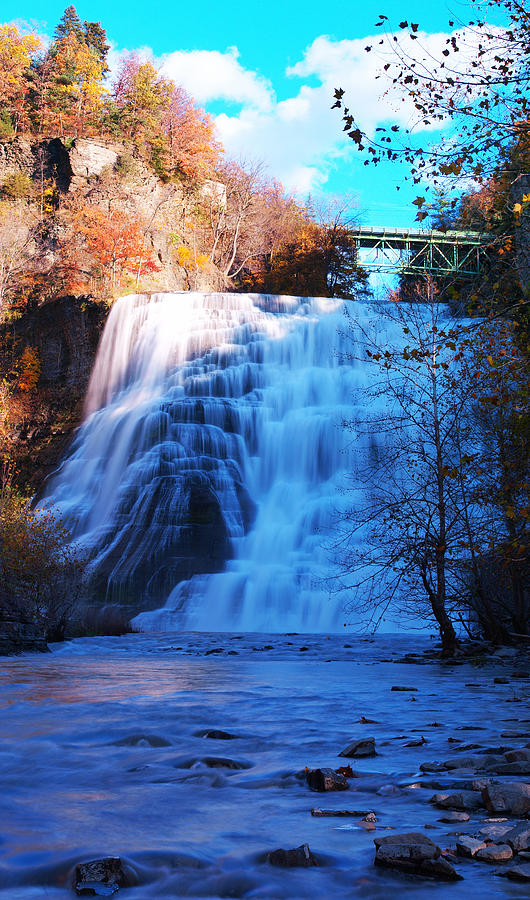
100,877
462,800
495,832
518,755
397,687
453,816
468,846
357,749
519,837
520,767
512,798
299,857
89,158
518,873
495,853
326,780
415,853
216,734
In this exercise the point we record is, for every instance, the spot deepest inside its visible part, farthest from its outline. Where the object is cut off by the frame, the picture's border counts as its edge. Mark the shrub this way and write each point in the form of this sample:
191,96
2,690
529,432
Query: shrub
41,570
126,166
6,128
17,186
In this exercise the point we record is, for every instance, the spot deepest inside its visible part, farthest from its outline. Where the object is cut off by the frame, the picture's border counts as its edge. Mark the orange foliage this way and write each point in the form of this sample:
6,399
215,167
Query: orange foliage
116,243
192,148
31,369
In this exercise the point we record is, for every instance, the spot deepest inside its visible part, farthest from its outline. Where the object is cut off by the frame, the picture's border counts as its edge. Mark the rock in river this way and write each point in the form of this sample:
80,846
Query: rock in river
512,798
495,853
415,853
519,837
468,846
326,780
99,877
299,857
363,747
462,800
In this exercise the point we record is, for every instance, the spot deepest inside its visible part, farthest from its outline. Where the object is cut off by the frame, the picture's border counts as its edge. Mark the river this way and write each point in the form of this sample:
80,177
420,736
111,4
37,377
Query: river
101,753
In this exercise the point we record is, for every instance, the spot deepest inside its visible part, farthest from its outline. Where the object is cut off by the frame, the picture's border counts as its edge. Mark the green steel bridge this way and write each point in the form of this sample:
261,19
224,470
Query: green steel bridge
415,251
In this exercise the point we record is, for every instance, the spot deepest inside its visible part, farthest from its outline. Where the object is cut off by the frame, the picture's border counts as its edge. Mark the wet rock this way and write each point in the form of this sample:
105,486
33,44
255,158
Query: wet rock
220,762
519,837
495,853
453,816
500,679
478,784
341,813
358,749
518,755
397,687
521,767
388,790
217,735
370,818
142,740
468,846
495,832
415,853
326,780
513,798
417,742
213,762
463,800
99,877
432,767
300,857
517,873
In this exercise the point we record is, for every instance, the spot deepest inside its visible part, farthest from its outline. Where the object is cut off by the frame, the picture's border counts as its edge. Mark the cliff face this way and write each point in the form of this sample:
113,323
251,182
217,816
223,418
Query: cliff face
65,333
65,330
108,176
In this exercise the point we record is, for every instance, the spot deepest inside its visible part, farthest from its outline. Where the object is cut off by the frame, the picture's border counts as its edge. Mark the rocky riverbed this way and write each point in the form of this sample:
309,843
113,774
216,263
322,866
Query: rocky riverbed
263,766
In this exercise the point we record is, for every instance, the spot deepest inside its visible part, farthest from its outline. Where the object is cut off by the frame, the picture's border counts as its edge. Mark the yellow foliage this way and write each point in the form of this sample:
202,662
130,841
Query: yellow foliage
16,51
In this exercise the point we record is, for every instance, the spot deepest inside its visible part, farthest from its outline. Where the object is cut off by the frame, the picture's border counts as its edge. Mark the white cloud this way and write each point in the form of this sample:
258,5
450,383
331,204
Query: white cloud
210,75
299,137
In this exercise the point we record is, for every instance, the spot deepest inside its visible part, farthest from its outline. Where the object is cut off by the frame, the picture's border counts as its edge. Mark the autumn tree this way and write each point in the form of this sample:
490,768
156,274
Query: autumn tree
476,90
18,50
19,235
192,149
102,248
316,255
142,98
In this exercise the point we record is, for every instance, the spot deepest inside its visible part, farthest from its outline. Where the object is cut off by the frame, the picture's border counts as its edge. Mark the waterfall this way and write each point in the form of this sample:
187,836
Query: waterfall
211,462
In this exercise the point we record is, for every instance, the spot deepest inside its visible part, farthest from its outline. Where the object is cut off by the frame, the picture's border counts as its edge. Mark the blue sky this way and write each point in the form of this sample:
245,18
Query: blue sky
267,71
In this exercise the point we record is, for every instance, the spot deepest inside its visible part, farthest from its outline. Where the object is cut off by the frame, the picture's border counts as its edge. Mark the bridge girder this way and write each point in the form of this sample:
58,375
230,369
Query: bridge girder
415,251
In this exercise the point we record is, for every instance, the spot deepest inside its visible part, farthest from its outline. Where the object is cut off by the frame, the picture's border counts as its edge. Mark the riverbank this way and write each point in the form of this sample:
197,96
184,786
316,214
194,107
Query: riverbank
107,747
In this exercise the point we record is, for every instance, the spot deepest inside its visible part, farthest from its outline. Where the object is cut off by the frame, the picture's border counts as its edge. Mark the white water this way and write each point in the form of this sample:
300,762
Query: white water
245,394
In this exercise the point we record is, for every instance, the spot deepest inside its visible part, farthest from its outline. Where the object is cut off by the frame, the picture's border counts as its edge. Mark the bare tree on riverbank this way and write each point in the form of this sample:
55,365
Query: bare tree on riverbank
404,542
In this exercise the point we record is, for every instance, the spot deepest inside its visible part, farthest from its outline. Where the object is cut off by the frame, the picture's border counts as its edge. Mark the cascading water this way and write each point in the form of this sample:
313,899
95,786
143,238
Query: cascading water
211,462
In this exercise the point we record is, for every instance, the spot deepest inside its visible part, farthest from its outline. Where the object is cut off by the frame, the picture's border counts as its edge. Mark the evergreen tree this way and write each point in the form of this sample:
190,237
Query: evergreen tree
96,38
69,23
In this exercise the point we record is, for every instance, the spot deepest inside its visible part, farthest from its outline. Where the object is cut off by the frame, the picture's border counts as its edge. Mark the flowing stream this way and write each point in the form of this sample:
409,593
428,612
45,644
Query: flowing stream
212,460
102,752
